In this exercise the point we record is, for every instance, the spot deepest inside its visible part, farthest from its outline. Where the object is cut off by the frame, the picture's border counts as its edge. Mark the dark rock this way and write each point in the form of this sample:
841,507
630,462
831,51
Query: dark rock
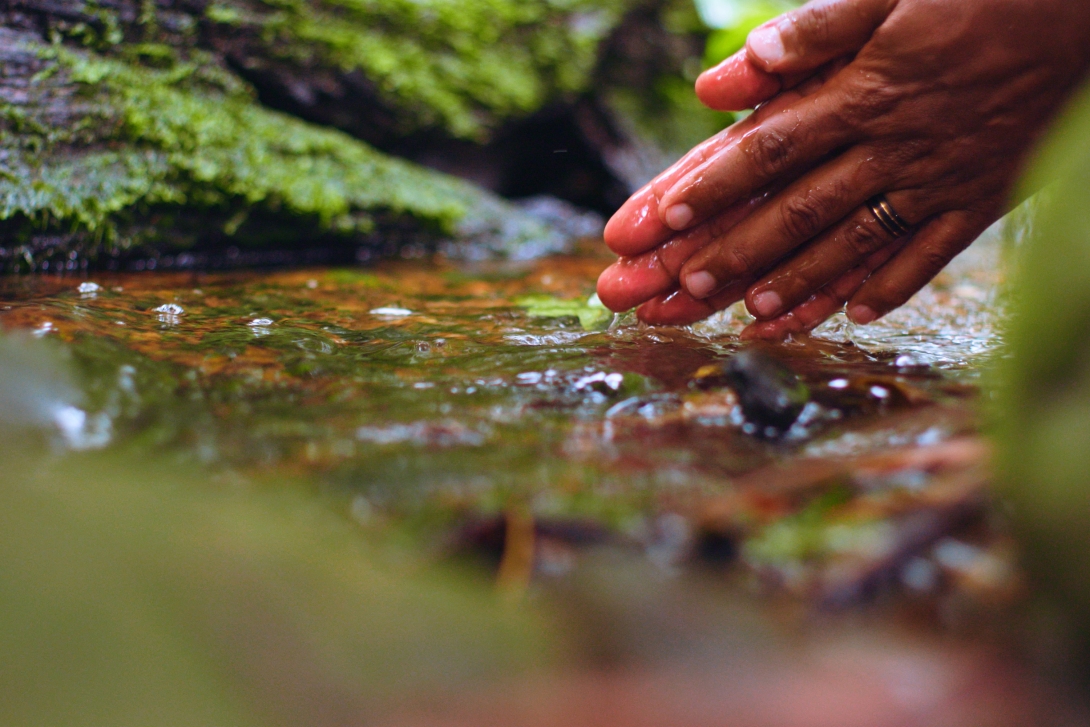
771,395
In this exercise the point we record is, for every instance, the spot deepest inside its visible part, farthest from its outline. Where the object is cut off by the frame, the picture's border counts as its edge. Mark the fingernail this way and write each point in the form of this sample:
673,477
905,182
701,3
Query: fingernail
767,44
767,304
679,216
861,314
700,285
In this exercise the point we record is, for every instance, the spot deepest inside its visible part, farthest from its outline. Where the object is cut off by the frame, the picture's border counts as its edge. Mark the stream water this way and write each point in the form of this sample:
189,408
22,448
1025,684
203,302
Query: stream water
493,411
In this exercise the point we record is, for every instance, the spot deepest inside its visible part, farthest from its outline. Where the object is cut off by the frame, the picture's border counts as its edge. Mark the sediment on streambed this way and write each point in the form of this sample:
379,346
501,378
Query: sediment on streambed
193,133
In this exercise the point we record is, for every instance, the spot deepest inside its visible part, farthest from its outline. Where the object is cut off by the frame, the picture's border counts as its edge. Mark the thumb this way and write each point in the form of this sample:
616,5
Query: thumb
816,33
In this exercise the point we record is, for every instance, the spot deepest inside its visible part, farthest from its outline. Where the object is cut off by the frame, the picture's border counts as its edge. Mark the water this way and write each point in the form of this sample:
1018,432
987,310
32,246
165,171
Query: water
492,414
435,393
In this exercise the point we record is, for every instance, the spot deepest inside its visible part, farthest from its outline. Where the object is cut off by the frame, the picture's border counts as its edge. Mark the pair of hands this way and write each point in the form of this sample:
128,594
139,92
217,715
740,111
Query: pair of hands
933,103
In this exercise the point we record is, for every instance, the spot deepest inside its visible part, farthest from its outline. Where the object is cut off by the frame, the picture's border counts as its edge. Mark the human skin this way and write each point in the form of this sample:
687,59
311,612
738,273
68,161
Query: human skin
934,103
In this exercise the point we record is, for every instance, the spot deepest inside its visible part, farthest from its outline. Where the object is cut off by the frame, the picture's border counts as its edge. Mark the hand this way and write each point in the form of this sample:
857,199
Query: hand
651,253
937,110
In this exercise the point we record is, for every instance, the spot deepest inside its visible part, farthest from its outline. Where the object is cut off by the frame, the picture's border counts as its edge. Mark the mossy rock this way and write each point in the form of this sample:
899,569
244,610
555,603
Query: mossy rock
102,155
133,129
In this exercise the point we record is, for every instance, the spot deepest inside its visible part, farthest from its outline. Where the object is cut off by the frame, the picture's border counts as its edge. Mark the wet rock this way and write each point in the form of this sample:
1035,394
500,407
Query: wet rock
771,395
155,136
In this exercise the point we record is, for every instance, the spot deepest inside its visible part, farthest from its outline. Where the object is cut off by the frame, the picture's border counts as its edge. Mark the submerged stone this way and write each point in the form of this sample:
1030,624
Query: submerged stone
771,395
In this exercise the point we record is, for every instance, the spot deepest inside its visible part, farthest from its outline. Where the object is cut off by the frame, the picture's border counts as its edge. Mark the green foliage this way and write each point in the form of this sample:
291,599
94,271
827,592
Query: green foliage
592,314
811,534
1044,404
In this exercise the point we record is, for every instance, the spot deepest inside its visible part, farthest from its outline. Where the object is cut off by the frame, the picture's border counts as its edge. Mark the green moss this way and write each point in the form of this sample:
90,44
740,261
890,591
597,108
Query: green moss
192,136
461,64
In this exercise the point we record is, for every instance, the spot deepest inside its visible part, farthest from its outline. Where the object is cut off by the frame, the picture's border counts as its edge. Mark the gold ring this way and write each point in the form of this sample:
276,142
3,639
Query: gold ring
888,218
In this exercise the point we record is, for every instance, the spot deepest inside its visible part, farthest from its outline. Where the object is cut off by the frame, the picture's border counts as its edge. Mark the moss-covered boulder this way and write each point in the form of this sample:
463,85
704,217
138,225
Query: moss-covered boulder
136,128
143,129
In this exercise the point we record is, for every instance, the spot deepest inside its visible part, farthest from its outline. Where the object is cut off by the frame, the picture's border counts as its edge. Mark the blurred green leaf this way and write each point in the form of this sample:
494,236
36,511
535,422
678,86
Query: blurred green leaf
1044,392
592,314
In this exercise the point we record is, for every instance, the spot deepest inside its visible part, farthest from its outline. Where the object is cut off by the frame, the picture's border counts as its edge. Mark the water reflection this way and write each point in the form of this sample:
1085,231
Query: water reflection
418,384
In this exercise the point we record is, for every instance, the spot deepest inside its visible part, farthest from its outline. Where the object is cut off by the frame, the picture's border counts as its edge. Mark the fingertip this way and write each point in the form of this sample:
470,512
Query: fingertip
765,47
636,227
625,284
673,309
607,289
736,85
862,314
700,284
775,330
764,305
678,217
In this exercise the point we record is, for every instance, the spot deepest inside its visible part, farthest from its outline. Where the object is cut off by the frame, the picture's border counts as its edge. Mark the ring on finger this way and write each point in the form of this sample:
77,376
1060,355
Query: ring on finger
887,217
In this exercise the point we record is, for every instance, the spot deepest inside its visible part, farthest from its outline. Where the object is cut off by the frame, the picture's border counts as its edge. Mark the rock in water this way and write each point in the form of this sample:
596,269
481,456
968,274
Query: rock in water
771,395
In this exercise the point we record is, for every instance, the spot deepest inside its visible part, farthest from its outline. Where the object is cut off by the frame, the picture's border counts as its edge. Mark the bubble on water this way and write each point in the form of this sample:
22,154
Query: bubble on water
260,322
391,312
169,313
88,289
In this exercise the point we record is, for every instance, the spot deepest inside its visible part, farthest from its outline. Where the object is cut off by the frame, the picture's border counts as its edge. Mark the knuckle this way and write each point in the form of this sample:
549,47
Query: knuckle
868,100
813,26
771,152
933,260
738,264
864,238
802,217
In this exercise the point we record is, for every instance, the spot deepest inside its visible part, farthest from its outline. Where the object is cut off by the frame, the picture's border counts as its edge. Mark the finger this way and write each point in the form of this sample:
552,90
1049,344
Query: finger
816,33
824,303
736,84
830,255
680,309
921,260
788,140
805,209
633,280
636,227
